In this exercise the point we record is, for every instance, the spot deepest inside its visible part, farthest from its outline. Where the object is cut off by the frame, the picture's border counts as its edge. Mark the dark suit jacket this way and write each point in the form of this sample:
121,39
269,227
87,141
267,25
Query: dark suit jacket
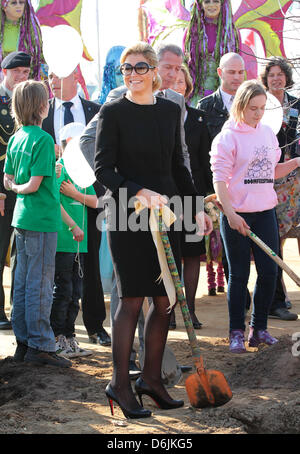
198,142
215,112
90,109
288,134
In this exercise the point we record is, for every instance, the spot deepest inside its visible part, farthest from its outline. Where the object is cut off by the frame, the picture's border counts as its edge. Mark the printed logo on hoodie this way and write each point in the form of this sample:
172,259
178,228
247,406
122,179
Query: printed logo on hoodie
260,169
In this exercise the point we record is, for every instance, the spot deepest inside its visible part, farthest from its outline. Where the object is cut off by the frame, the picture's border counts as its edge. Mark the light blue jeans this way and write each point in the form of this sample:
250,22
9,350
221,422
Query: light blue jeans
33,289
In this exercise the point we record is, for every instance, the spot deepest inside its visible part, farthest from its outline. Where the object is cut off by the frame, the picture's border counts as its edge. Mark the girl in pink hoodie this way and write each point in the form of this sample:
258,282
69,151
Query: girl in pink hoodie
244,162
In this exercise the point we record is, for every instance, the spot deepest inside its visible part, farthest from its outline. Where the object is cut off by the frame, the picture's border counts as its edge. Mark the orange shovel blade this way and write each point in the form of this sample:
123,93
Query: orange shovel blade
208,388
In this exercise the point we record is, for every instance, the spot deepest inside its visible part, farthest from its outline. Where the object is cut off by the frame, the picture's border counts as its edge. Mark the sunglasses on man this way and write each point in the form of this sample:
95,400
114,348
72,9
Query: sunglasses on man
140,68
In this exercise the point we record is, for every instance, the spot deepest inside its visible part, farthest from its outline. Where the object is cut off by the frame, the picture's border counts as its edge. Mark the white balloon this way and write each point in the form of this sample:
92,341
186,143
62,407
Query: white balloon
62,48
76,165
71,130
273,115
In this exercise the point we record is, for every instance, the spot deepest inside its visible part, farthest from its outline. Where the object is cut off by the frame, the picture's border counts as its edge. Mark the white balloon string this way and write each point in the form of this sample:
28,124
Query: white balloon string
77,257
61,122
77,260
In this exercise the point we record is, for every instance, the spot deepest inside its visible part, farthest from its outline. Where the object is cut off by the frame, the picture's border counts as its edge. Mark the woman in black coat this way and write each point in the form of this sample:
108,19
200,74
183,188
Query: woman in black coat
139,158
198,144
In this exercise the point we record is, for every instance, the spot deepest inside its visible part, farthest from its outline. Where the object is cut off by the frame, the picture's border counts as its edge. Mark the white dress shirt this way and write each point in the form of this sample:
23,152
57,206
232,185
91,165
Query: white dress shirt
227,99
59,112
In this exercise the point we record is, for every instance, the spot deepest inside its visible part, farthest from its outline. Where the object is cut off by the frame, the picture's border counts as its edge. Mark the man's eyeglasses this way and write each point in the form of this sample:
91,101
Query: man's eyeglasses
140,68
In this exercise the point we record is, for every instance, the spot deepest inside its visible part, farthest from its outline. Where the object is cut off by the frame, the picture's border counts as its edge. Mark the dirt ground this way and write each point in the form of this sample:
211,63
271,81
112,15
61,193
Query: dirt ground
265,382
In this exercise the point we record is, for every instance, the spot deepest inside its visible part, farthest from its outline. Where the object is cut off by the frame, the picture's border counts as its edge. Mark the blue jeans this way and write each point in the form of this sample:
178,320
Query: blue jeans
33,288
66,294
238,249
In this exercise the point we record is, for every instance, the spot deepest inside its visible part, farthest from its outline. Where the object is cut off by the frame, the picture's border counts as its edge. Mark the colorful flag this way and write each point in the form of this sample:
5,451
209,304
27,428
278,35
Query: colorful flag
57,12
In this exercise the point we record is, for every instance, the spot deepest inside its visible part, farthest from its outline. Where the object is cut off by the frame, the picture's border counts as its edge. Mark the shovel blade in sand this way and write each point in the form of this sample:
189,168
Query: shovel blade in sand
208,389
170,369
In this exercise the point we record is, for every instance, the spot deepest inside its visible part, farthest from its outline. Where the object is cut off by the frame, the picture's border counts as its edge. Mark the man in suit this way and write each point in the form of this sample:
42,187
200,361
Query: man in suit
66,107
216,107
16,68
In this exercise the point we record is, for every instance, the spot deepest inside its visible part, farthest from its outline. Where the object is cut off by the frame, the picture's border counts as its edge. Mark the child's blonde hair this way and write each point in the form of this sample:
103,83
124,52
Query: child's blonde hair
246,91
29,99
148,53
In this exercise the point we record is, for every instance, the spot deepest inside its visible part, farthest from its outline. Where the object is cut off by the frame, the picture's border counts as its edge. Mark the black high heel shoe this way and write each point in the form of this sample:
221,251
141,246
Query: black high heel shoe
130,414
141,388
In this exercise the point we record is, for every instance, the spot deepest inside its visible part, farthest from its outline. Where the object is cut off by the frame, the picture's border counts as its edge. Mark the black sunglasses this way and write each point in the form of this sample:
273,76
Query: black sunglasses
140,68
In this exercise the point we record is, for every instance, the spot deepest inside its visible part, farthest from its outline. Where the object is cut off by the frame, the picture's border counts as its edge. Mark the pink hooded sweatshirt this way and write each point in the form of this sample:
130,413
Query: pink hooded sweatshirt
245,158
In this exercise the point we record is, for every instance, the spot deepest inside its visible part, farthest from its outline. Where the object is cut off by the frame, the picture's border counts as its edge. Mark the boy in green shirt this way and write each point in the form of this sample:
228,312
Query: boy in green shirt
30,173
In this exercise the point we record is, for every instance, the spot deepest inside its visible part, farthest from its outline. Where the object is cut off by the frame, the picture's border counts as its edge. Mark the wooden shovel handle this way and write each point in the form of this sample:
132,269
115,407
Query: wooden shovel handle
210,198
178,286
273,256
184,308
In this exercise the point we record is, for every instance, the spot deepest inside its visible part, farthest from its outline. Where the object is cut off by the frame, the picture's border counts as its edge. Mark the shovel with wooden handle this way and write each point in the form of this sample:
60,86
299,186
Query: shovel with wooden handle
273,256
213,198
205,388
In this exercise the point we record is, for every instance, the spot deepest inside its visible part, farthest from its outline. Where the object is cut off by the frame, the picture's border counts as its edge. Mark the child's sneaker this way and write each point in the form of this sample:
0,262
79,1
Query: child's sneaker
237,341
76,350
261,336
212,292
62,347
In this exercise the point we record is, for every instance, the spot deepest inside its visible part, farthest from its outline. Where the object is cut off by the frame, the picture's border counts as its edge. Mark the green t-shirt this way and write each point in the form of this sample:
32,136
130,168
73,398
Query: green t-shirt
78,213
30,152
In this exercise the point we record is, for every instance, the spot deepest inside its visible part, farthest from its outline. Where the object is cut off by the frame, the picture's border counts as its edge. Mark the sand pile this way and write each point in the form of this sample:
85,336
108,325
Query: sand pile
274,367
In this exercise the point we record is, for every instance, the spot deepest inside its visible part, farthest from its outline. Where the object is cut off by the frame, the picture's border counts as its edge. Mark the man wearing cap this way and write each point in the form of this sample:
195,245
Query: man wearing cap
16,68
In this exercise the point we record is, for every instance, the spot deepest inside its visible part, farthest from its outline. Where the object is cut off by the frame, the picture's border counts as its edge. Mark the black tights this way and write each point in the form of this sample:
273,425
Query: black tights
156,331
191,270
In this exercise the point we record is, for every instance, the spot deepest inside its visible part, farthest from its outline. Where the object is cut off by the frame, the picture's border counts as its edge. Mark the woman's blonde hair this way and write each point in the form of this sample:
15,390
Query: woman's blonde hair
246,91
188,81
29,99
148,53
